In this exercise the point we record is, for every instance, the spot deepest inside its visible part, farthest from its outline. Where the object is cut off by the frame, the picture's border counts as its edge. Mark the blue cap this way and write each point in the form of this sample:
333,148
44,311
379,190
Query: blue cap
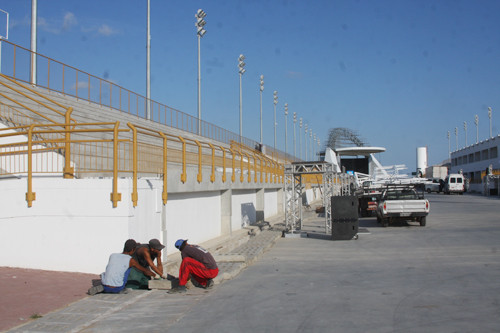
179,243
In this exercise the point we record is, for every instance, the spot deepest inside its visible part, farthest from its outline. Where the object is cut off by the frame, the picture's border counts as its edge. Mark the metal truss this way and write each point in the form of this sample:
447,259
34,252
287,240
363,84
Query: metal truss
333,184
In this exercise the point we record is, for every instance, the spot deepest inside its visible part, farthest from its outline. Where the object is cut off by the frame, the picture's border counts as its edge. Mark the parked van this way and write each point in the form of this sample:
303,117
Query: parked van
454,183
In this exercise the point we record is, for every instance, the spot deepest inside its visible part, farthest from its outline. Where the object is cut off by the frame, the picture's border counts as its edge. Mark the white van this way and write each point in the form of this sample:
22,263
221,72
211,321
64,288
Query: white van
454,183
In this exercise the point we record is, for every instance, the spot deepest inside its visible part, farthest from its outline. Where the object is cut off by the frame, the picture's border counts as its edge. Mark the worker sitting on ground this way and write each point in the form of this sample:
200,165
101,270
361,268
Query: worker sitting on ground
114,279
145,256
198,264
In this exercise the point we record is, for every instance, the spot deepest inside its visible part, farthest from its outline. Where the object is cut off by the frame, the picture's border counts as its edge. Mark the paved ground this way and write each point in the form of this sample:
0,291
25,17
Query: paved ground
404,278
31,292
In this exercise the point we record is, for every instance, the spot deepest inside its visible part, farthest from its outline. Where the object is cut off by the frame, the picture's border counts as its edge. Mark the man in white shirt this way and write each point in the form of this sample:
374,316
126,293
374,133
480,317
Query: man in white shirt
114,279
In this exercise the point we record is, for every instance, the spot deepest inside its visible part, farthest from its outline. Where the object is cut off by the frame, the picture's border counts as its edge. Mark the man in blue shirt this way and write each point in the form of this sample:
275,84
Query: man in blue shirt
114,279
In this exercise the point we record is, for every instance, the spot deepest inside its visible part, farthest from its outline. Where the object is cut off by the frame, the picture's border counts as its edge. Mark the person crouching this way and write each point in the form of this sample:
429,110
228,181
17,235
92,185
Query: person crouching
198,264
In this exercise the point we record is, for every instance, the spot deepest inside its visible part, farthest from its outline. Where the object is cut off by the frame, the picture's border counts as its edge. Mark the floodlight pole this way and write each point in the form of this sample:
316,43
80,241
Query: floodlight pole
261,90
449,145
148,63
300,138
476,121
456,137
241,70
305,141
200,31
33,40
294,142
275,101
6,36
489,116
286,132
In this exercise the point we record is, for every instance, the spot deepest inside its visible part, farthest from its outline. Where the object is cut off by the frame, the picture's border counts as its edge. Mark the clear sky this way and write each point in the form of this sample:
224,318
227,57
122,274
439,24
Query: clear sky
401,73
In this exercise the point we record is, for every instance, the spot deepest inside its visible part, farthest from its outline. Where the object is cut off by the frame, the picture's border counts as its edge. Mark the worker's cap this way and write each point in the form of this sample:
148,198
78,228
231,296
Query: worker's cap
155,244
179,243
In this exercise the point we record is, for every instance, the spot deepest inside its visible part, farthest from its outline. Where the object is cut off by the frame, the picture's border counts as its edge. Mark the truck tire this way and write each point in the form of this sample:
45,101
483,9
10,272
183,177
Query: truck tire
429,190
385,223
378,219
423,221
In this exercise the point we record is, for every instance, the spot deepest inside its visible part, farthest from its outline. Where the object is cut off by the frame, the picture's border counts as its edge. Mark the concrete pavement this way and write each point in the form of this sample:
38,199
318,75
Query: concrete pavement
405,278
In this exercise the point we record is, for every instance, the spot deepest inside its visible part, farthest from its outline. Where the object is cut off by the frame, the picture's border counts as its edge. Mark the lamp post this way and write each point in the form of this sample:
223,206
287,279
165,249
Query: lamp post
261,90
300,138
476,121
286,132
465,130
294,142
449,145
318,148
489,116
456,137
311,143
241,71
275,101
200,31
305,140
4,37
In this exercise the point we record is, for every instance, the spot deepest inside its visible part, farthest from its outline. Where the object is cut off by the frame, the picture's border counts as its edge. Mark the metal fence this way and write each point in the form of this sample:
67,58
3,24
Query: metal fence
57,76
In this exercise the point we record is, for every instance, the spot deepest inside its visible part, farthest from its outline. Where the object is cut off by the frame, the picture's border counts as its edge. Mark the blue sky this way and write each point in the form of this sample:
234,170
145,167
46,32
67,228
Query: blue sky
400,73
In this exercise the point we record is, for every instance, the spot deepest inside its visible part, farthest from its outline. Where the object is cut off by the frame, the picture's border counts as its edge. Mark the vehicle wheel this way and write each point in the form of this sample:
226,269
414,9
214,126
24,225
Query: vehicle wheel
385,223
423,221
378,219
428,190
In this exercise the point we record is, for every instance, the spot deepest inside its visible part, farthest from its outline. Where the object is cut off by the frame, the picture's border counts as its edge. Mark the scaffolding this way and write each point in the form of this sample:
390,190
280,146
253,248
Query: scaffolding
332,184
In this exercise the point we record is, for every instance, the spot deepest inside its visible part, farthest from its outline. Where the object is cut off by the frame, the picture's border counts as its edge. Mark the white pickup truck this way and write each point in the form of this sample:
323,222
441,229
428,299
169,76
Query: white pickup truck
402,203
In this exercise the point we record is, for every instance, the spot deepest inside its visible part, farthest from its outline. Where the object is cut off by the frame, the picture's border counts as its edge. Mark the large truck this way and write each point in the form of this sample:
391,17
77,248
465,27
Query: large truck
436,172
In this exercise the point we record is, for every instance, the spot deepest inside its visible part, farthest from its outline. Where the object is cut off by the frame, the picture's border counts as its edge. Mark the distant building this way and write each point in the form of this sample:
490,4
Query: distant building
474,160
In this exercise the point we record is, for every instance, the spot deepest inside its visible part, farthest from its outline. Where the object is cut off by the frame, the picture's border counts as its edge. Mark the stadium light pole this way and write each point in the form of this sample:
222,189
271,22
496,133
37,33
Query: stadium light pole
200,31
305,140
275,101
294,137
4,37
456,137
261,90
449,145
310,142
489,116
286,132
318,148
476,121
465,130
34,19
241,71
300,138
314,147
148,62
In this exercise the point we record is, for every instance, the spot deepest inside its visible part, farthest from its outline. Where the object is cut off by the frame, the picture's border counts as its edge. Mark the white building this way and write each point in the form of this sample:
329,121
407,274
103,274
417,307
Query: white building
475,159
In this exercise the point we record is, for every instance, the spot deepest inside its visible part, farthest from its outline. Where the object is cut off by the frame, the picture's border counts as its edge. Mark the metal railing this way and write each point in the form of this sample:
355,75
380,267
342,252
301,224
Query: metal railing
67,80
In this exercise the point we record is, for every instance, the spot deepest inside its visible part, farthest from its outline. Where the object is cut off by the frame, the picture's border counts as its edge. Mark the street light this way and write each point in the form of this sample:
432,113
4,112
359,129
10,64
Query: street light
200,31
311,143
305,140
465,130
261,90
319,146
456,136
449,145
476,121
286,132
489,116
241,70
300,138
294,142
275,101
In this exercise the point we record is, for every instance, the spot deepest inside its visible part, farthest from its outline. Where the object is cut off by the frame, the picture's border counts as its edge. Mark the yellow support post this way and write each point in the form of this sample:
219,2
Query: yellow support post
223,164
199,177
241,167
212,176
261,169
115,196
30,195
135,195
233,154
248,168
69,172
183,175
164,193
255,167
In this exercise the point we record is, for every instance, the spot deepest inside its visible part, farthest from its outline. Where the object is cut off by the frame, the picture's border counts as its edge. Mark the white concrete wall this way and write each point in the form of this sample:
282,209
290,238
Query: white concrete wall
72,225
270,203
193,216
242,213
